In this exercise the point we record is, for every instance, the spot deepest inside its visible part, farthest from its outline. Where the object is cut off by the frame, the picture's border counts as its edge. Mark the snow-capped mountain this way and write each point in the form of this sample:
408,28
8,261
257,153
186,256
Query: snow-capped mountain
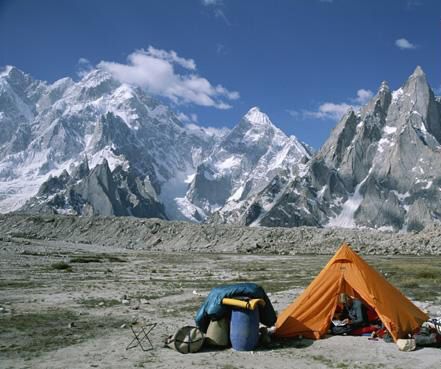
98,146
241,165
379,168
46,129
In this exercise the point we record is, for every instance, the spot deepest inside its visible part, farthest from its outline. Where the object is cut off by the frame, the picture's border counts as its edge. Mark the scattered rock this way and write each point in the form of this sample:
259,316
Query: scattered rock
123,326
156,242
125,302
226,238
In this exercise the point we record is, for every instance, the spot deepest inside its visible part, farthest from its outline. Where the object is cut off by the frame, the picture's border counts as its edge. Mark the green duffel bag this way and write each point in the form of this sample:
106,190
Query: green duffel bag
186,340
218,333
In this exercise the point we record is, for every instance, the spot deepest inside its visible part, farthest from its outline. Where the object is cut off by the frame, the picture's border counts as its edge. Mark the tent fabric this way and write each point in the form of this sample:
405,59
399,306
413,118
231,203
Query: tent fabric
311,313
213,309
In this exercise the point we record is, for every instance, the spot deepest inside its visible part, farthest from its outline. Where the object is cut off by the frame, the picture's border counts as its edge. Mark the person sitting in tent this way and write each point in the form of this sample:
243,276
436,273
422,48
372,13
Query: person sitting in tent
355,312
350,316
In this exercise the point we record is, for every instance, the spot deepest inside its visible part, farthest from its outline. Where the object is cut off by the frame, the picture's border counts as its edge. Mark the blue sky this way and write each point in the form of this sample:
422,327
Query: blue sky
302,61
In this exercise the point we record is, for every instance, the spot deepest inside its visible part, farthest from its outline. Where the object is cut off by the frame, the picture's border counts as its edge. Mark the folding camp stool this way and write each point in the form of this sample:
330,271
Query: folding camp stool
141,334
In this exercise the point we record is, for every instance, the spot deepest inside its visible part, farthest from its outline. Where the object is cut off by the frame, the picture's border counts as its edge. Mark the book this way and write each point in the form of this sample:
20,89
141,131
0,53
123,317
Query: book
338,323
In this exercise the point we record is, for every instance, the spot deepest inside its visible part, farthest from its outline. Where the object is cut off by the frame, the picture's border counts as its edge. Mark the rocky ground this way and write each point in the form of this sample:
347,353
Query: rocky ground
70,305
159,235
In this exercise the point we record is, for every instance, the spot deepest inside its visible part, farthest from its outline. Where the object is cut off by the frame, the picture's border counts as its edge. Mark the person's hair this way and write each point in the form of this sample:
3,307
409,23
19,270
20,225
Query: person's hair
343,298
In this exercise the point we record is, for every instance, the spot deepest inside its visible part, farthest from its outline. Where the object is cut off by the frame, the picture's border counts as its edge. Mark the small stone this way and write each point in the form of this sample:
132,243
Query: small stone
71,325
101,303
125,302
123,326
144,301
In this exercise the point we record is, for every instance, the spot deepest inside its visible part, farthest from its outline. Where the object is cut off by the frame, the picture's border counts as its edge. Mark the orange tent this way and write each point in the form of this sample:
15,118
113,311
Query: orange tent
311,313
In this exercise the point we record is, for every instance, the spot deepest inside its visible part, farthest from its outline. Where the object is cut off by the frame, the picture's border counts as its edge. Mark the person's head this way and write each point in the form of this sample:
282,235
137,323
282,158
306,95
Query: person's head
345,299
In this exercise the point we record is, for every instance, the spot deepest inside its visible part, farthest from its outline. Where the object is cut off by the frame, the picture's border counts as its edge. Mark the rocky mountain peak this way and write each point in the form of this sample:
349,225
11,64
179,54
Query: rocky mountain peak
253,134
97,75
417,82
384,87
97,83
11,72
242,164
382,99
378,169
418,72
256,116
5,70
17,79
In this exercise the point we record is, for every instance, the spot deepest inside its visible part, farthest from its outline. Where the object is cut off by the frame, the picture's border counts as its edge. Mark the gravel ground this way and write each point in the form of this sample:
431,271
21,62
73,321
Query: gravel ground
69,305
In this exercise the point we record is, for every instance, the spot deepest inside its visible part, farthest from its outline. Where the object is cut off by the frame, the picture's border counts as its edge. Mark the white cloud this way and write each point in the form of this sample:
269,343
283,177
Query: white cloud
216,6
335,111
293,113
412,4
190,121
404,44
363,96
219,13
329,110
184,118
221,49
211,131
211,2
84,67
154,70
83,61
171,57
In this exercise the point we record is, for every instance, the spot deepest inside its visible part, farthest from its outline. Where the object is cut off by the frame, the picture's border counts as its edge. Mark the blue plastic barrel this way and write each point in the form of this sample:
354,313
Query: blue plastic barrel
244,329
